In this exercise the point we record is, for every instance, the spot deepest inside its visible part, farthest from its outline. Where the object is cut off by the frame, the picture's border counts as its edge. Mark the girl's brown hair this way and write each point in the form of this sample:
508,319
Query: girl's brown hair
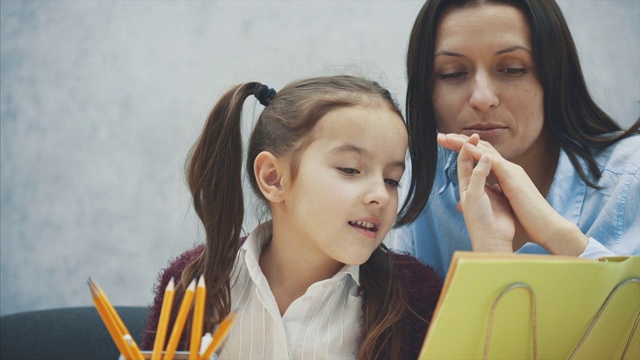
284,128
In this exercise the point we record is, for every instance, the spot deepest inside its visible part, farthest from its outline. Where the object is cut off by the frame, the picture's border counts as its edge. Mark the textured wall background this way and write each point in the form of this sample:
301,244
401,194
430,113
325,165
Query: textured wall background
100,102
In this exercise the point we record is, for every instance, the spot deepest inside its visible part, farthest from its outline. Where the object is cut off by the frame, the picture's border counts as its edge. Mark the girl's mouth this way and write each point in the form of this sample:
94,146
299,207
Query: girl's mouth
365,225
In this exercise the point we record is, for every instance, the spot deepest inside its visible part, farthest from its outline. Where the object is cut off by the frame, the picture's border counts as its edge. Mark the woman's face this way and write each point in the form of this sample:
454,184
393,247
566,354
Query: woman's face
485,80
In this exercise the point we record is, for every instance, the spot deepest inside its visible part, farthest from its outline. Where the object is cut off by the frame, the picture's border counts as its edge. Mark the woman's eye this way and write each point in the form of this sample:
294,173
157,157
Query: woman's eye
394,183
348,171
514,72
452,77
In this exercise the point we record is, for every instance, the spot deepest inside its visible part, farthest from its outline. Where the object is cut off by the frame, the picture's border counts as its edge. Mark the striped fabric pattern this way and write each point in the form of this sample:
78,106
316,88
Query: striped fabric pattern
322,324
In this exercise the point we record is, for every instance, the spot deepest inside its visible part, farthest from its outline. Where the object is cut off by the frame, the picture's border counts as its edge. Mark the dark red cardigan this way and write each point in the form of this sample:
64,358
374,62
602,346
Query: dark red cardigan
421,285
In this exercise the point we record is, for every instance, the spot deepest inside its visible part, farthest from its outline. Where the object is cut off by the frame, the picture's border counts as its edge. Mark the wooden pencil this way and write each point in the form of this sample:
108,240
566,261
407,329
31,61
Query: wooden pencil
134,351
197,320
109,322
133,347
181,318
163,323
219,336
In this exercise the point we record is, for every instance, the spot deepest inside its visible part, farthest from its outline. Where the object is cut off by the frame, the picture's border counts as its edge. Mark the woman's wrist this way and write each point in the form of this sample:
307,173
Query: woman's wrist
566,239
492,245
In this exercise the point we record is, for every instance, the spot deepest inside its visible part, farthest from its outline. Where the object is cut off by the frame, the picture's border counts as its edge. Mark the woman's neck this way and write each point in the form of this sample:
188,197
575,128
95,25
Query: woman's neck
540,164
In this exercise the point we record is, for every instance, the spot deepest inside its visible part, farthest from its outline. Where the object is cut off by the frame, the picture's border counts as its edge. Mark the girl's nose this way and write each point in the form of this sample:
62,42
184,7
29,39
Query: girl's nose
377,193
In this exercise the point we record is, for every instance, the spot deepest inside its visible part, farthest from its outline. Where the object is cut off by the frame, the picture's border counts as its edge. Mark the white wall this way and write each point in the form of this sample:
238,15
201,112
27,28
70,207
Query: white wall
100,102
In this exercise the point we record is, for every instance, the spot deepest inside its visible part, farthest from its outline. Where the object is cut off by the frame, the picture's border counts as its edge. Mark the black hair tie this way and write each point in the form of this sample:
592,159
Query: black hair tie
264,94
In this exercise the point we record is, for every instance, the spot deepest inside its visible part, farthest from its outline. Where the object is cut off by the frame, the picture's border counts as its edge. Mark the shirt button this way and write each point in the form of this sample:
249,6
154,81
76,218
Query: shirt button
306,298
327,285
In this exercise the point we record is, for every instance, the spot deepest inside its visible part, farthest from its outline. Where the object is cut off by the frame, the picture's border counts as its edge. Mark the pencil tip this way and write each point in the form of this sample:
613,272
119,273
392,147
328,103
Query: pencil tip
171,285
93,288
192,285
201,281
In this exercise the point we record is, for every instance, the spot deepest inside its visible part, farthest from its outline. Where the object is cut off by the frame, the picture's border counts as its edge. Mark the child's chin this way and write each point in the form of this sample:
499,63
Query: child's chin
358,259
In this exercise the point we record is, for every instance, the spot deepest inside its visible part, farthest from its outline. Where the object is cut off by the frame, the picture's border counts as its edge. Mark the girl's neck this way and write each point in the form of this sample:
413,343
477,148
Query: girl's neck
291,269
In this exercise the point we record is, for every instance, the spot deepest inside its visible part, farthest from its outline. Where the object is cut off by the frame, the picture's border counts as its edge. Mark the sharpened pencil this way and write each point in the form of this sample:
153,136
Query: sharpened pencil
163,323
181,318
112,320
219,336
133,347
197,322
108,321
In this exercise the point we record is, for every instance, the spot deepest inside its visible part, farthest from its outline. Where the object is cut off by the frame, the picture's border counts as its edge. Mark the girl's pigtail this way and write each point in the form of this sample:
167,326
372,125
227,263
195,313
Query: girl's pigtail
214,176
384,307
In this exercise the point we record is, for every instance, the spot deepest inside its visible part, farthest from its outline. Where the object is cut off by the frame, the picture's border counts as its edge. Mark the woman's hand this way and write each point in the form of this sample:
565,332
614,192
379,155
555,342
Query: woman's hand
487,213
540,222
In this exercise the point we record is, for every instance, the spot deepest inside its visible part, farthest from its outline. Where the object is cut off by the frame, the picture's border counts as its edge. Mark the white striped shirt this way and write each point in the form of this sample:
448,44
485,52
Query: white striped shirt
324,323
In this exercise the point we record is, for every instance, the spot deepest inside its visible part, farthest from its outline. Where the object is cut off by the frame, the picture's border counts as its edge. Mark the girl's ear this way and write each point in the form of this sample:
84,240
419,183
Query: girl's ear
269,172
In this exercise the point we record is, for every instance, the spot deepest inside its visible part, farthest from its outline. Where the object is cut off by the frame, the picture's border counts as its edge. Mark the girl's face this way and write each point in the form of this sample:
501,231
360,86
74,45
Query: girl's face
485,80
345,196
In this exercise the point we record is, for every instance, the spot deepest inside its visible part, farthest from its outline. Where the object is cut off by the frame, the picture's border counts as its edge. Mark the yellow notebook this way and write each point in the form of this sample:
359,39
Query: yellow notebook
498,306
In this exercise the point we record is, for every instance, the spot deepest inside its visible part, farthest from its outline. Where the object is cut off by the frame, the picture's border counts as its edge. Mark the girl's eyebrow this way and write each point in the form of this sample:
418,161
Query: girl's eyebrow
499,52
351,148
348,148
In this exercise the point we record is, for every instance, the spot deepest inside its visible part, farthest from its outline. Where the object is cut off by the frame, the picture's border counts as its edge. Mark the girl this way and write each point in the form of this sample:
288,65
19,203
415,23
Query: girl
326,156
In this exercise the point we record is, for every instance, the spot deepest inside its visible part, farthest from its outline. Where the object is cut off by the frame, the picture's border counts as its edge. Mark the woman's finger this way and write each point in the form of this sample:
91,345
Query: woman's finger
478,179
465,167
487,147
456,141
452,141
474,139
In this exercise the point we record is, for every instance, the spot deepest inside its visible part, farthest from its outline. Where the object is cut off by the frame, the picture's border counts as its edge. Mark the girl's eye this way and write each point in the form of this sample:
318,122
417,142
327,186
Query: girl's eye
394,183
514,72
348,171
452,77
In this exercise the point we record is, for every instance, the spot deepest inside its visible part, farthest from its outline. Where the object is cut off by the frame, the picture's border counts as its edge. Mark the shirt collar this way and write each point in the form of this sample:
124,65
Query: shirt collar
567,191
349,270
450,168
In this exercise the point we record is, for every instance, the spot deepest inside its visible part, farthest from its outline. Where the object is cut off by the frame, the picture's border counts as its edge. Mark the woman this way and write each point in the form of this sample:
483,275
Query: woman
508,71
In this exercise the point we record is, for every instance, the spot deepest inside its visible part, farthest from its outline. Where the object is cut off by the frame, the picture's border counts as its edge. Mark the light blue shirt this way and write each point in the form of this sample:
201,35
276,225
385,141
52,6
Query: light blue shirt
610,217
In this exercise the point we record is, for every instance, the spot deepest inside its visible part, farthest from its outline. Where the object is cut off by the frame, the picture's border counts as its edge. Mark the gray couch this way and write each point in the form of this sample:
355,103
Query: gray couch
65,333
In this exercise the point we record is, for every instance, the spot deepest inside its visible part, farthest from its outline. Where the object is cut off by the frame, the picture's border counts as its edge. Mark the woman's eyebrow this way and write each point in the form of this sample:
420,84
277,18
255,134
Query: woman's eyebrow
512,49
499,52
448,53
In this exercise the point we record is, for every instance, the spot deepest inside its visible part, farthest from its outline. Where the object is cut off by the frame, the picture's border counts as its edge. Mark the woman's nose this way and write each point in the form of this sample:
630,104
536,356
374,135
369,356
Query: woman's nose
483,95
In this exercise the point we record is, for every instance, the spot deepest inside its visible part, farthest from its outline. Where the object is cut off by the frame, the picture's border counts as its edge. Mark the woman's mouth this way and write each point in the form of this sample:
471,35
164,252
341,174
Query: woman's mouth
485,131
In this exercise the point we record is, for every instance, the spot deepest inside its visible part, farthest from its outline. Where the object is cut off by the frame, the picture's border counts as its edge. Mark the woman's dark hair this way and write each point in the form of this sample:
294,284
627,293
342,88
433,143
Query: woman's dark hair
571,117
284,128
